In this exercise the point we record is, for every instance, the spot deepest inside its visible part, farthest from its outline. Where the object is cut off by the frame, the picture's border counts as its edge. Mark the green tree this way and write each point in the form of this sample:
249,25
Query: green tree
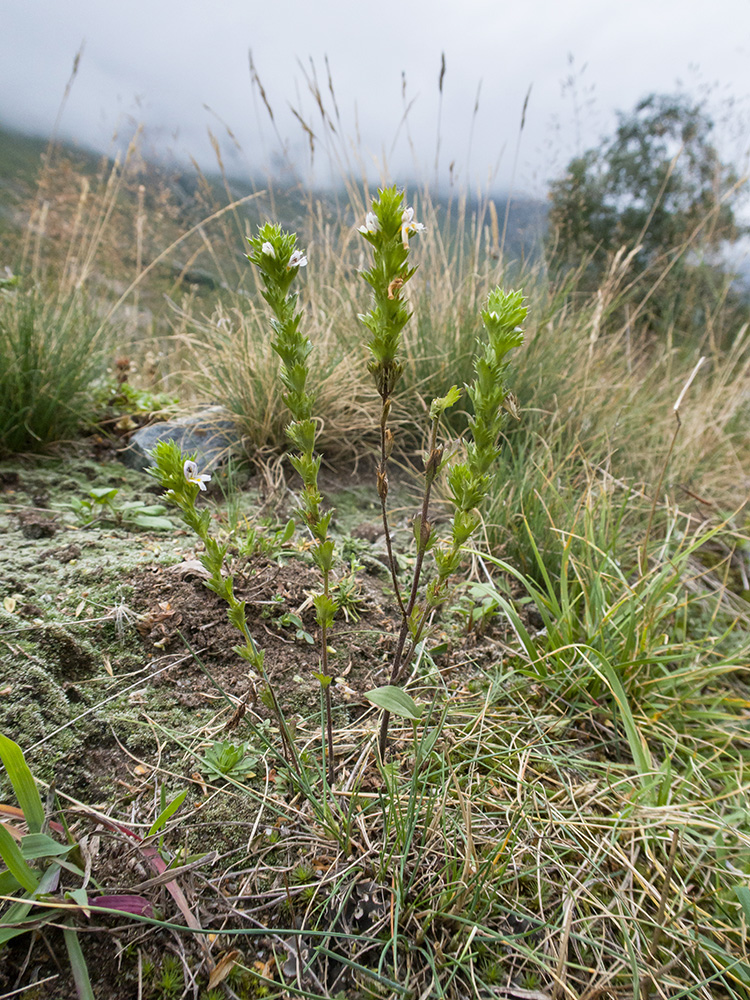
658,183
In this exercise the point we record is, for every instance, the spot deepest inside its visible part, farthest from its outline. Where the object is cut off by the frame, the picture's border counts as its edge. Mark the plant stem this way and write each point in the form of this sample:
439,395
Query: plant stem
383,494
324,672
290,754
431,467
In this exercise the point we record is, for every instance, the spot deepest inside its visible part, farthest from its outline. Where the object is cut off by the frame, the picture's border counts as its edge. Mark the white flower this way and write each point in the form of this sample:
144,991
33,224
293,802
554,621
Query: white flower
409,225
190,470
268,250
372,224
297,259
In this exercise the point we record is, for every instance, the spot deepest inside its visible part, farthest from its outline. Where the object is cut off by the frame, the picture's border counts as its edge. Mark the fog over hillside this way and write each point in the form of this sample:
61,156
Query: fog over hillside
418,89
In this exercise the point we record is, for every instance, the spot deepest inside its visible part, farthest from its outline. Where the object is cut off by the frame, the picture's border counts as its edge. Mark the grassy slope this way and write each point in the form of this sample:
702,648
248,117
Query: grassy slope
532,848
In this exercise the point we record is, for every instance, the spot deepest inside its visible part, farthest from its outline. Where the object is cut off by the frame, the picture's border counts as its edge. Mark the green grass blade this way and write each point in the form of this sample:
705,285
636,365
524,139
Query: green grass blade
14,860
23,783
743,894
168,811
638,747
39,845
78,964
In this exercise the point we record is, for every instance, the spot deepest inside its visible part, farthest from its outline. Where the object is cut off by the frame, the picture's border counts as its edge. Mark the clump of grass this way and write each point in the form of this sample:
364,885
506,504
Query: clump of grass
50,352
232,362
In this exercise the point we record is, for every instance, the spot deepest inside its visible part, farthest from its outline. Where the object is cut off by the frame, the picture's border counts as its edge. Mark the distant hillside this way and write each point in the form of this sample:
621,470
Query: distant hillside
20,154
21,159
192,197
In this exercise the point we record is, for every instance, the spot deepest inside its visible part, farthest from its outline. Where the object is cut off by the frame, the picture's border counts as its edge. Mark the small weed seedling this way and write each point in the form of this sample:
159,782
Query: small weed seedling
230,760
263,540
388,228
477,606
100,505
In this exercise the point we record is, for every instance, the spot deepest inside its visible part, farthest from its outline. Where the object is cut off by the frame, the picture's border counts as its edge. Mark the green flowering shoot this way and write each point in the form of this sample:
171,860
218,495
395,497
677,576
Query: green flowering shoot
275,253
180,478
387,229
183,483
502,318
469,481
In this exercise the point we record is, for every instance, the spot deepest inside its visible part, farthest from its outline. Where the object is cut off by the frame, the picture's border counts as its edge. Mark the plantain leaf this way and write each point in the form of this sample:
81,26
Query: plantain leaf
124,903
396,701
9,885
151,522
101,494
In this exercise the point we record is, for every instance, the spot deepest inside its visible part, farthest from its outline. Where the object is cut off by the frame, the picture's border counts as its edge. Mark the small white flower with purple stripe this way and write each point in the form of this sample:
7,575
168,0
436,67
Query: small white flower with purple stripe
190,470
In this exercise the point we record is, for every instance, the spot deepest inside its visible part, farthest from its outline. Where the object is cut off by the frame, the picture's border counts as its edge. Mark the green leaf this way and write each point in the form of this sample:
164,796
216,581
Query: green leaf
70,867
18,912
323,555
23,783
9,884
441,404
103,494
168,811
743,894
325,609
638,746
79,896
11,855
152,523
14,915
152,509
39,845
78,965
396,701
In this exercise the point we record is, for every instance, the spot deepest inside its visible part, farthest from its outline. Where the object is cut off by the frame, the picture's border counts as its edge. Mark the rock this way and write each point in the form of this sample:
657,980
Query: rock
209,435
190,568
35,525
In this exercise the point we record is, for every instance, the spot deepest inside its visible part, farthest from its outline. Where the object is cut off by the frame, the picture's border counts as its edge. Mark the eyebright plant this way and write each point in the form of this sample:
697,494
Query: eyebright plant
275,254
388,227
183,482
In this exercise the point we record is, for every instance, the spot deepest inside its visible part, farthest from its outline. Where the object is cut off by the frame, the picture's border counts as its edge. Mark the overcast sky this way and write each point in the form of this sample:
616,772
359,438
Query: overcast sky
181,68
